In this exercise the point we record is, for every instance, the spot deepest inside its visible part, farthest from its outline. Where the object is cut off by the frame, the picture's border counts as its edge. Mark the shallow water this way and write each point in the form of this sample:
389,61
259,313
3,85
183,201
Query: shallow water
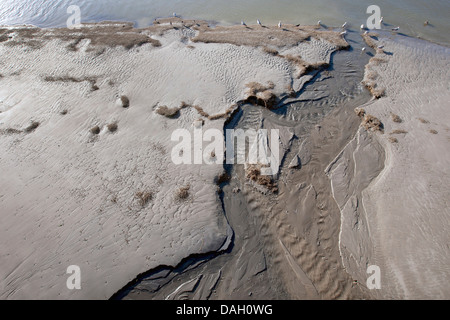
410,15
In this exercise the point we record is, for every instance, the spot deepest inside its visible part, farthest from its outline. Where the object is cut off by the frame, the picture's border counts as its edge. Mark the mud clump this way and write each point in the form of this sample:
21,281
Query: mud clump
183,193
270,51
371,123
223,178
65,79
144,197
253,173
174,112
112,127
267,99
291,92
255,87
124,101
10,131
200,111
360,112
377,92
393,140
395,118
399,131
261,95
33,126
95,130
303,66
167,112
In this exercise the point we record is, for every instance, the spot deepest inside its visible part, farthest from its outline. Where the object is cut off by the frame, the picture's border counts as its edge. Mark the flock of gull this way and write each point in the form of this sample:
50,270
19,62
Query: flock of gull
342,34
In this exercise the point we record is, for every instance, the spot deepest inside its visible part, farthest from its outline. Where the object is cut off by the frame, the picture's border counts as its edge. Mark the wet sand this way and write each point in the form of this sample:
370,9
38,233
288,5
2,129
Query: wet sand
90,181
87,160
281,241
397,219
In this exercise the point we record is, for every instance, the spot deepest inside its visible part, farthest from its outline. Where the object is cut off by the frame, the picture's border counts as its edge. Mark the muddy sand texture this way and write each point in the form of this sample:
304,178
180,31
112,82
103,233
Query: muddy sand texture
70,193
399,219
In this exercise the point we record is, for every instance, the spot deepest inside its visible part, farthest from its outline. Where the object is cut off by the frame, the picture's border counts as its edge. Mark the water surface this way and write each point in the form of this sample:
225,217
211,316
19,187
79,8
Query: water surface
410,15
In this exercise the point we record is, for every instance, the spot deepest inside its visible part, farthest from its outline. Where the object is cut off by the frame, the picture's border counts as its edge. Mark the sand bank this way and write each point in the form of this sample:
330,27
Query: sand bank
87,177
85,125
285,245
399,218
383,206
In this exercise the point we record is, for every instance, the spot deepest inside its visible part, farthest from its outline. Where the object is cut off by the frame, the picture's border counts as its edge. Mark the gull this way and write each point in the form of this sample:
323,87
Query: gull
395,29
363,50
366,33
279,24
243,23
426,23
344,25
258,22
343,33
380,47
319,23
174,14
362,26
381,20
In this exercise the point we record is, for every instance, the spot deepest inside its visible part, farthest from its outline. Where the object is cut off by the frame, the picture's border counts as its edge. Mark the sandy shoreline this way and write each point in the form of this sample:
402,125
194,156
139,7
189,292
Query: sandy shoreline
403,213
88,179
